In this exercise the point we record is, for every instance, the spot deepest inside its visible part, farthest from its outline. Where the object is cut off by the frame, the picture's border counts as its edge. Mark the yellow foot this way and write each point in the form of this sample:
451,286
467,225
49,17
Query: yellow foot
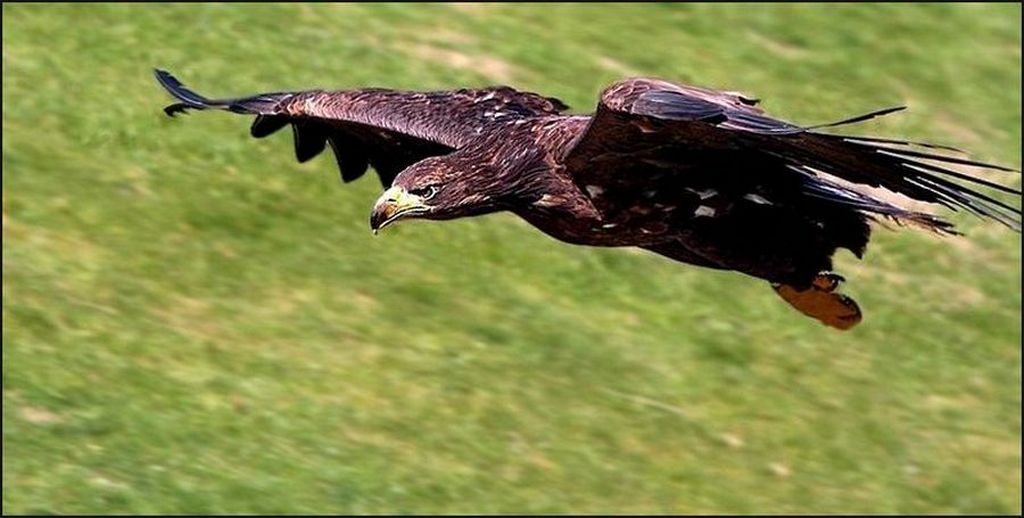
820,301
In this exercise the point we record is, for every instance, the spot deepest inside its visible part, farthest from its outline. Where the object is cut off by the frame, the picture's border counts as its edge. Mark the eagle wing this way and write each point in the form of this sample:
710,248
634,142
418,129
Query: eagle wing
386,129
649,135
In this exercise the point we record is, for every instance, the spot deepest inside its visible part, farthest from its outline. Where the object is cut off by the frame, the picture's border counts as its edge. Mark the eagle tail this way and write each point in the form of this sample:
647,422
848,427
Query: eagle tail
189,100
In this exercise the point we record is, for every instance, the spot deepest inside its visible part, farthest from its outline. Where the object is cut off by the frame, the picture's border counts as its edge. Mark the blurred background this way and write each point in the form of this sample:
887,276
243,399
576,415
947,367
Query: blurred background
195,323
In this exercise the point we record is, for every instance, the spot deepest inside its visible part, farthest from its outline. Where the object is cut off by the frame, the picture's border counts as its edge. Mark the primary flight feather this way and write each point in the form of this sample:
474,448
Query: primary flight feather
700,176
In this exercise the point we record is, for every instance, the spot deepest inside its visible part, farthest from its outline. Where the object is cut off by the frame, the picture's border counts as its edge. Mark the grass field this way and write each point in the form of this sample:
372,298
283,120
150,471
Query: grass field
195,323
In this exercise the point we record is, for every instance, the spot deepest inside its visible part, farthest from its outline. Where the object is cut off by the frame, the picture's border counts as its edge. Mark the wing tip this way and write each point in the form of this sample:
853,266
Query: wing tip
187,98
859,118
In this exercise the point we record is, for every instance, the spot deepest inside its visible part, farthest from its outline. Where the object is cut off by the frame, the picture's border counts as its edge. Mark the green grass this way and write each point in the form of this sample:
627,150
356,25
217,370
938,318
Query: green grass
195,323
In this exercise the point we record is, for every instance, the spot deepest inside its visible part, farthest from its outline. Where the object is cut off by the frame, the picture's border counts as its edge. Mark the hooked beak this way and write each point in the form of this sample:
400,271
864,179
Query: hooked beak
393,205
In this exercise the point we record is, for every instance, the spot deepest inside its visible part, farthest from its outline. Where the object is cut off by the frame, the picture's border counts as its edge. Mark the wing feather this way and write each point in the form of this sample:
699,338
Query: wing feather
716,131
386,129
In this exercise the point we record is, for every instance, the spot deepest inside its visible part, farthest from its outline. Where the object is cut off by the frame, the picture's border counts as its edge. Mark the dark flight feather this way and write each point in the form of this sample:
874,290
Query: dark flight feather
737,127
265,125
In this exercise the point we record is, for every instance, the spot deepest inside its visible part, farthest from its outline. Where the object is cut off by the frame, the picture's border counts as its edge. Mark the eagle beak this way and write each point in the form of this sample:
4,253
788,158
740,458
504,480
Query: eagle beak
393,205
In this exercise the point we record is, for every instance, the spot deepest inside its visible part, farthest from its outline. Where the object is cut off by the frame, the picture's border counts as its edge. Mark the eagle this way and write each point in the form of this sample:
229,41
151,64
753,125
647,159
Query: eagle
700,176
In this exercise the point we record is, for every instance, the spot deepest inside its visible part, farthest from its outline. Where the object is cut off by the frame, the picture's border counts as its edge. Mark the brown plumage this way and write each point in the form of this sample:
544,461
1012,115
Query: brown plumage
700,176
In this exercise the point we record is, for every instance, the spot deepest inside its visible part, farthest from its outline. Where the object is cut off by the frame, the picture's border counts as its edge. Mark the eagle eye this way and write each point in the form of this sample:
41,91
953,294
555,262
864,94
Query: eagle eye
424,192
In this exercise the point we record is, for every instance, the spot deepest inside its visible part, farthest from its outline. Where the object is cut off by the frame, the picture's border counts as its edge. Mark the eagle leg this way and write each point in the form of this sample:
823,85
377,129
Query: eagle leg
820,301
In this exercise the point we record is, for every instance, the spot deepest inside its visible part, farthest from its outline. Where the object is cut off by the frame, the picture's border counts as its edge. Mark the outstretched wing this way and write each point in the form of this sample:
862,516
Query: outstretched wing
650,134
386,129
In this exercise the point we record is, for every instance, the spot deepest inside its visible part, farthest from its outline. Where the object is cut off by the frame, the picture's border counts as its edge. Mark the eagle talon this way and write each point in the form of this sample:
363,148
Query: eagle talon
828,281
820,301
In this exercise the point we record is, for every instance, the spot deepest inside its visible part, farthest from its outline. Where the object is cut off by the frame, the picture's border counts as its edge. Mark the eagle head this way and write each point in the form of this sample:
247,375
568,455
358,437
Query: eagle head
437,188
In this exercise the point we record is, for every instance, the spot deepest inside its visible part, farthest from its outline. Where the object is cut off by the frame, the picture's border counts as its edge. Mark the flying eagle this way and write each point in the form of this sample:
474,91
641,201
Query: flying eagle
700,176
